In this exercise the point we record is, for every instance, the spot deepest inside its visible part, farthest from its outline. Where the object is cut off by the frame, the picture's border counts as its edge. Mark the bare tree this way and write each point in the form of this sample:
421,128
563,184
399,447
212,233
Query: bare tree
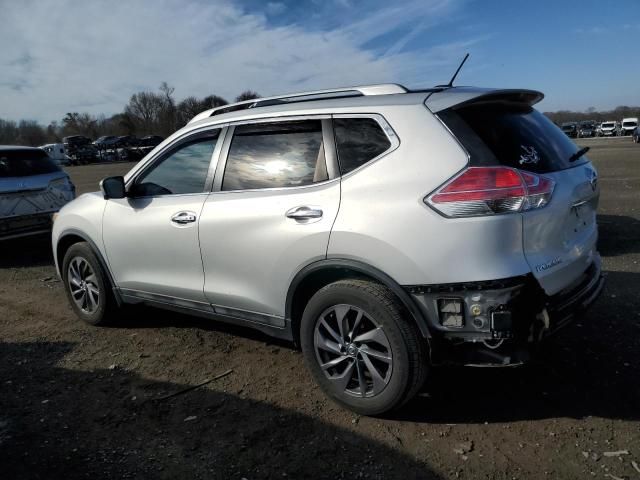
247,95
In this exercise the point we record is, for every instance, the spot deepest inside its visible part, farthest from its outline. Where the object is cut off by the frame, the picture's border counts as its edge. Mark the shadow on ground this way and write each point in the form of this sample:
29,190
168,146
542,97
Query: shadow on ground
26,252
589,369
61,423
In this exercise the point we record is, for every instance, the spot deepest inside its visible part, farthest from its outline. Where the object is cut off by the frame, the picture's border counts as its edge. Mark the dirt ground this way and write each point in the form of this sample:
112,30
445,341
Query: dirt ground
85,402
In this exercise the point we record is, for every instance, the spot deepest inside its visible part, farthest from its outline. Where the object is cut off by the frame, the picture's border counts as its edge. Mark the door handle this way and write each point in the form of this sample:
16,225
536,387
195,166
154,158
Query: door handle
304,212
183,218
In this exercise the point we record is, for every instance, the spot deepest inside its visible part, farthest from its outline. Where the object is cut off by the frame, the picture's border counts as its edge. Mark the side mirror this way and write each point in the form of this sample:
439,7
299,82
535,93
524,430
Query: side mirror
113,187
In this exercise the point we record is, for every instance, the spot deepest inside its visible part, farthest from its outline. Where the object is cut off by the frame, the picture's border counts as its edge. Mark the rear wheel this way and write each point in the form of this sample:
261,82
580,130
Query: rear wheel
361,348
87,285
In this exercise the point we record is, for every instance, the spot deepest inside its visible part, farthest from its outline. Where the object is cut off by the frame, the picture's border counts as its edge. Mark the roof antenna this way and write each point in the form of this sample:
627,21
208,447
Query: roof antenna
450,84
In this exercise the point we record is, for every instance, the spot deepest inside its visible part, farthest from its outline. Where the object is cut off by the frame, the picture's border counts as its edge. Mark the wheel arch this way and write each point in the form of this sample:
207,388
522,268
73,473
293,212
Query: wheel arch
71,237
318,274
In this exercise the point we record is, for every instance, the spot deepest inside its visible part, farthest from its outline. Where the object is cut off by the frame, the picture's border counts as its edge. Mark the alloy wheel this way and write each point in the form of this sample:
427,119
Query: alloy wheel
83,285
353,351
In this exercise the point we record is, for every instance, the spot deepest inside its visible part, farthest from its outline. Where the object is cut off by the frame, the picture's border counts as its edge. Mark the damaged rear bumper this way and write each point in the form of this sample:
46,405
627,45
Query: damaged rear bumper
500,322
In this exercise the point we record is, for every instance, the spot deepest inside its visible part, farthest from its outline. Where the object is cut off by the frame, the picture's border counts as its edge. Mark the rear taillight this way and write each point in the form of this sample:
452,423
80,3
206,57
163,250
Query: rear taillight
491,191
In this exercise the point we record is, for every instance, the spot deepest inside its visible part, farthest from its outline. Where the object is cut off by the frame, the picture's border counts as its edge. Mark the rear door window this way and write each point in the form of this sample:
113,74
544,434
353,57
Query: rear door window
24,163
358,141
275,155
511,135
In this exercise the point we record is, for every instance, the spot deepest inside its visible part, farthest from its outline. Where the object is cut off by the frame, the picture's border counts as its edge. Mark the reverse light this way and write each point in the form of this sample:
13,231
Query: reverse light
490,191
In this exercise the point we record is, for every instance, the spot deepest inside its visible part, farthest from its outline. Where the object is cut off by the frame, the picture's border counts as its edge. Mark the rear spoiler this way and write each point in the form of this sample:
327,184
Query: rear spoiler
460,96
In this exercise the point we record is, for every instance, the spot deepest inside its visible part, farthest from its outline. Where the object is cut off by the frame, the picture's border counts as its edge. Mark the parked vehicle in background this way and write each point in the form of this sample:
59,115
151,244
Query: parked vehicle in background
80,149
635,136
608,129
383,230
32,188
101,142
587,129
57,153
628,126
570,129
148,143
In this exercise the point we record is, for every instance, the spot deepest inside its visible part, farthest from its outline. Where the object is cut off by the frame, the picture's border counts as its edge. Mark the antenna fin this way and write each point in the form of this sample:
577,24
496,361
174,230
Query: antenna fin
450,84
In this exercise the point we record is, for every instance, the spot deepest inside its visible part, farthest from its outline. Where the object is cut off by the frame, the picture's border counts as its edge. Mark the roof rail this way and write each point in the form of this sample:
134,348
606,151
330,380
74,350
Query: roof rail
364,90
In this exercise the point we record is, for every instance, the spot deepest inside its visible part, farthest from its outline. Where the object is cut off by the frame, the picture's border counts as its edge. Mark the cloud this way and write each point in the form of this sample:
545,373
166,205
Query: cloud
275,8
91,56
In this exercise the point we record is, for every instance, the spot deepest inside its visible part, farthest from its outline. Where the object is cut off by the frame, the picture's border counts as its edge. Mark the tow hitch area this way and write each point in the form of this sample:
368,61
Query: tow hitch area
499,323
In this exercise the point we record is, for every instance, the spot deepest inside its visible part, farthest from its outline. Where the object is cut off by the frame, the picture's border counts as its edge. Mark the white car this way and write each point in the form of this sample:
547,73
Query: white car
628,126
57,153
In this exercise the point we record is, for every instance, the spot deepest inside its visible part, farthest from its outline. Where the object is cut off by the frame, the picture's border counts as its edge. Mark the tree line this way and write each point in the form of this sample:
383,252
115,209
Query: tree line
146,113
158,113
618,113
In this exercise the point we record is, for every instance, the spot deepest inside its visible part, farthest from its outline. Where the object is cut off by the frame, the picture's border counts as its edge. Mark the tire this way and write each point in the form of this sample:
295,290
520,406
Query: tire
86,283
385,339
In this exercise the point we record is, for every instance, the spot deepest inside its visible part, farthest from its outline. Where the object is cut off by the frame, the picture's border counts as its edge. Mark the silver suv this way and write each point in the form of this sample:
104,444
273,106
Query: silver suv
382,230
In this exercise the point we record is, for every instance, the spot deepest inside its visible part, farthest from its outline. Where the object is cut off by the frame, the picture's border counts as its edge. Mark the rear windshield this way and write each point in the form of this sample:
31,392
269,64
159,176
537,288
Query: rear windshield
23,163
511,135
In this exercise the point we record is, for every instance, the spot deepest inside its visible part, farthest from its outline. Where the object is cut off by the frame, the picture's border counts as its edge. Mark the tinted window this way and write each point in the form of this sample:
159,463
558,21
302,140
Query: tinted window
183,170
23,163
514,136
286,154
358,140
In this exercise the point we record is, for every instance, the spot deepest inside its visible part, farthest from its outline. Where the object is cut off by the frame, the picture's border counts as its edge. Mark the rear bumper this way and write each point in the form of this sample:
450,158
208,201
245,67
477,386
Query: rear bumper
501,322
565,306
25,225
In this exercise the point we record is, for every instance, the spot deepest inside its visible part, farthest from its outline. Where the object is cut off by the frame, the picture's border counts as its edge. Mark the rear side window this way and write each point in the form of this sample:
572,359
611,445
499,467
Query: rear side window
511,135
24,163
358,140
275,155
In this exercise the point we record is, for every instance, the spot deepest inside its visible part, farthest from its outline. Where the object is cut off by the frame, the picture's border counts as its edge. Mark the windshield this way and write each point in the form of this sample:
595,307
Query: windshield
629,124
24,163
568,127
511,135
607,125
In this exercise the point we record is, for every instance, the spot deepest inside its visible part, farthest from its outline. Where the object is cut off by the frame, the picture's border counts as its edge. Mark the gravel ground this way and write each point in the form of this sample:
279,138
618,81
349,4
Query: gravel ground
85,402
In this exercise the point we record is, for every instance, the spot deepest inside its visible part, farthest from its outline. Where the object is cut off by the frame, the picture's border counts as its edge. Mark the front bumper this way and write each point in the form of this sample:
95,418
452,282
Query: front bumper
500,323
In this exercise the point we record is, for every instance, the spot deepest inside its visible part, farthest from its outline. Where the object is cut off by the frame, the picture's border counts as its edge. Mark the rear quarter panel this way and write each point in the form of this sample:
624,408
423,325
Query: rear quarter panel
384,222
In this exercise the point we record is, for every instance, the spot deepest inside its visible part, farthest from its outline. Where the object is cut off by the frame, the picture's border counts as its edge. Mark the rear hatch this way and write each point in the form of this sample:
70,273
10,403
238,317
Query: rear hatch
559,239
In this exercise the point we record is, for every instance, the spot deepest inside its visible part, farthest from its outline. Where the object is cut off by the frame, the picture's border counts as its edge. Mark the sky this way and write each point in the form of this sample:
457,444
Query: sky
90,56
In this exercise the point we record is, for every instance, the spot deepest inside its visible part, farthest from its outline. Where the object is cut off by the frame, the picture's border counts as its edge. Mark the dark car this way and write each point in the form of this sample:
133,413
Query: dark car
126,141
80,149
103,141
570,129
587,129
150,141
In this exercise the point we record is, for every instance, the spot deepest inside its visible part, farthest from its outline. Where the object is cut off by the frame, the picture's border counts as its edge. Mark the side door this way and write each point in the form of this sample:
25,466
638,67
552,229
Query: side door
151,236
276,195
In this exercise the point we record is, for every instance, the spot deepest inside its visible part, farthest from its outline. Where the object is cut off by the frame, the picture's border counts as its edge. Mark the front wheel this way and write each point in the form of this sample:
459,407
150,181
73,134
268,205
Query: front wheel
87,285
361,347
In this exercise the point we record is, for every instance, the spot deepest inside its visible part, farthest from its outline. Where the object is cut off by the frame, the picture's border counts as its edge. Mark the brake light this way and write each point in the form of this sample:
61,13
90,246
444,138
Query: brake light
490,191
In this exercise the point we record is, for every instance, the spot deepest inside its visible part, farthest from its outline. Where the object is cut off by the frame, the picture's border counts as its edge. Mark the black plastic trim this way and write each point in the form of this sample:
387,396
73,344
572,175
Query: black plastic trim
96,250
362,268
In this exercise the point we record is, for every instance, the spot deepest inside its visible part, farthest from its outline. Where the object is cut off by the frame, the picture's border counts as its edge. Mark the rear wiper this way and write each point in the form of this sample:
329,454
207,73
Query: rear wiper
578,154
